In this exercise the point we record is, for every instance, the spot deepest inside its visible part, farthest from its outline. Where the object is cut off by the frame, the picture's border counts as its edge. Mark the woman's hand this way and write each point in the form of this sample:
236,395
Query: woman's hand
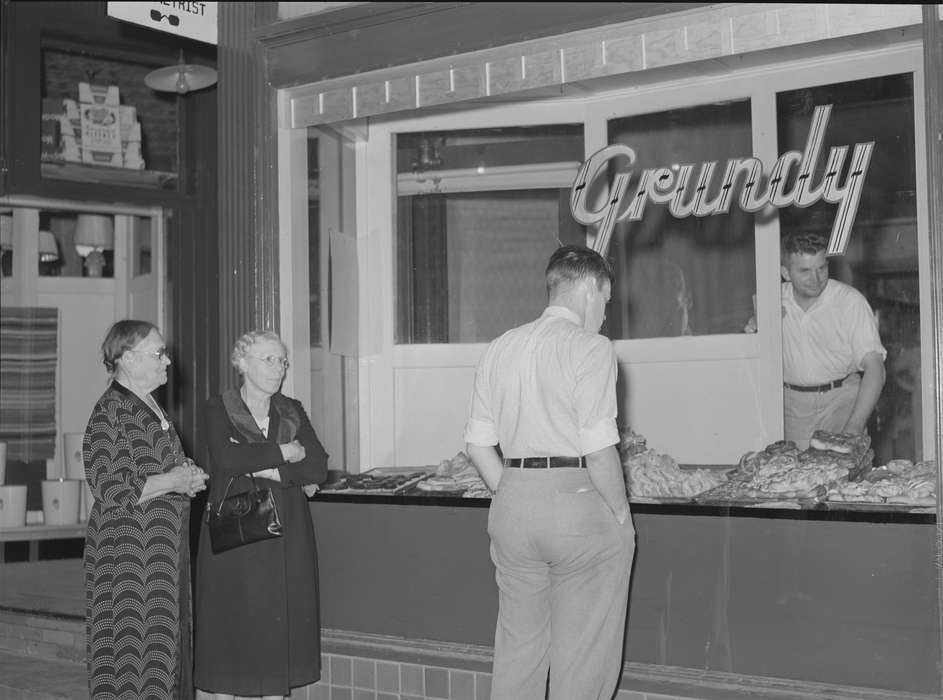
272,474
194,478
187,479
292,451
310,489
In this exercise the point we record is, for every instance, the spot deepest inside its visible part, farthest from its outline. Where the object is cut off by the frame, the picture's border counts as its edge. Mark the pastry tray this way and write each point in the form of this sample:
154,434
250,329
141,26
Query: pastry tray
415,474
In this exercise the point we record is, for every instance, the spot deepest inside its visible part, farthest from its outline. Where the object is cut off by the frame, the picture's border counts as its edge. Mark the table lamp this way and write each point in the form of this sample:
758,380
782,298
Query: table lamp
94,234
48,248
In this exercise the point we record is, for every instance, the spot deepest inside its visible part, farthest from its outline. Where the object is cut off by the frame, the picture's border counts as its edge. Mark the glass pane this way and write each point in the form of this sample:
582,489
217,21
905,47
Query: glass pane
683,276
881,257
314,244
479,212
134,128
76,245
140,246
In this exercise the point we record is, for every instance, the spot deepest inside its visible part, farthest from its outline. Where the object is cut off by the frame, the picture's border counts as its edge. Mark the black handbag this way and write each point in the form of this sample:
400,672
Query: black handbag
243,518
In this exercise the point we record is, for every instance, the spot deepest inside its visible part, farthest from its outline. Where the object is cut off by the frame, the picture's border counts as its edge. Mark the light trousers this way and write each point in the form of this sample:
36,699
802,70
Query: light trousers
563,565
804,412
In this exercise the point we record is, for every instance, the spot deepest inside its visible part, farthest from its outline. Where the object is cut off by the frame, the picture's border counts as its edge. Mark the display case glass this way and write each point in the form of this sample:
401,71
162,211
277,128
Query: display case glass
102,124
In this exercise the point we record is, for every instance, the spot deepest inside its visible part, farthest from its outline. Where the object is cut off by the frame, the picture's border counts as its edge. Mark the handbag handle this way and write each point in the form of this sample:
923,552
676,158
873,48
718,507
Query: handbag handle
255,489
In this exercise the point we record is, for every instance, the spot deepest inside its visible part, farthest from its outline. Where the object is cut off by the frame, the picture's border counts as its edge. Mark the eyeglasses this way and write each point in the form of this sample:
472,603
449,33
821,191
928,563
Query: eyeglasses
159,353
273,360
158,16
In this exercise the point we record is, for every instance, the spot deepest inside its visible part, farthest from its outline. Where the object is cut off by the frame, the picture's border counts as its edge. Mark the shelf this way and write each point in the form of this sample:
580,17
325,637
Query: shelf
103,175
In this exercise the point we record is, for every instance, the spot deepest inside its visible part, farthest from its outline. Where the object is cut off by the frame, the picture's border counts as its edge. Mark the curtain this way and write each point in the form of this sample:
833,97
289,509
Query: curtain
28,355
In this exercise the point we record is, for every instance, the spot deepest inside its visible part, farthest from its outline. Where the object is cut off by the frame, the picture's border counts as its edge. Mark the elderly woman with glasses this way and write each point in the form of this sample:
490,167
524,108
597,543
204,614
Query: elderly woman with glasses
137,556
257,624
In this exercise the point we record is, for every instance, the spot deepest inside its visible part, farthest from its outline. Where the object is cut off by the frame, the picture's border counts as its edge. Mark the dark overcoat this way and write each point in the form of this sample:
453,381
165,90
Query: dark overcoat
257,629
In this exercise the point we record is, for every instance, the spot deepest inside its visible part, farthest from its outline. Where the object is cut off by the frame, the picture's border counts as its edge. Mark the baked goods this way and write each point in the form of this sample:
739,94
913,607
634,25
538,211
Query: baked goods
844,443
391,480
650,474
456,475
851,451
630,442
899,482
781,472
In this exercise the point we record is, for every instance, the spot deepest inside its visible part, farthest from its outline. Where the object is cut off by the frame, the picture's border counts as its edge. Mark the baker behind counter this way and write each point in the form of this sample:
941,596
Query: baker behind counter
833,359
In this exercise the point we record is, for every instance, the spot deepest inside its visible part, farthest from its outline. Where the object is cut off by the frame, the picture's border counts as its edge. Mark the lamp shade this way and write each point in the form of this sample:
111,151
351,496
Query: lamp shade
48,248
181,78
94,232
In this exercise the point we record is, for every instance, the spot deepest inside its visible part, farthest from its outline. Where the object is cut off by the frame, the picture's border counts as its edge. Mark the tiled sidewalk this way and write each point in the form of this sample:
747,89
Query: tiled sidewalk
33,678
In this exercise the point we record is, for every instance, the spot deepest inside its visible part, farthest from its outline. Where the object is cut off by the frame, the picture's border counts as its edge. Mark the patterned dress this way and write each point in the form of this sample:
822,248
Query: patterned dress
137,572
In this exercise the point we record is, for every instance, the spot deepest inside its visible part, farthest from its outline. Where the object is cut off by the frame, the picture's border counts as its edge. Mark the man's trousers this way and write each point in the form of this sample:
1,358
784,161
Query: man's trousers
563,567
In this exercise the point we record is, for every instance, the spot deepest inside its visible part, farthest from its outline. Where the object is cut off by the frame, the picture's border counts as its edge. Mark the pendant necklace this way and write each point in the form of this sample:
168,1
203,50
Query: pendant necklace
164,423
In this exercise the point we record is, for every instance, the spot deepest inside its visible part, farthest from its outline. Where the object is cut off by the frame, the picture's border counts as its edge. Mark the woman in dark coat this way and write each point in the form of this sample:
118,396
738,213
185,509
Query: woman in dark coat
257,625
137,558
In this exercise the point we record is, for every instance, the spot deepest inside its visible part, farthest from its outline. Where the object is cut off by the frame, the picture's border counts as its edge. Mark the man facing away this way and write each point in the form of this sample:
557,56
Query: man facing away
562,538
833,360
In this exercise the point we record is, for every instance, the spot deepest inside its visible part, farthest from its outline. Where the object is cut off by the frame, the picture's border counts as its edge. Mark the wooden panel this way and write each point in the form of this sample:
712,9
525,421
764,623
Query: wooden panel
248,251
933,78
784,596
371,36
648,42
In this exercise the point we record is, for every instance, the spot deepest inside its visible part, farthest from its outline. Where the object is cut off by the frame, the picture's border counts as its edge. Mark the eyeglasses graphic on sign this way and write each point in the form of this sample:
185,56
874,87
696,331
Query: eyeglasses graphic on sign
157,16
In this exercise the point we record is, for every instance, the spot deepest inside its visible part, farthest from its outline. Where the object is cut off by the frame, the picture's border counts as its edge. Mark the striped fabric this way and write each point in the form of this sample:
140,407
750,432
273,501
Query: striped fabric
28,355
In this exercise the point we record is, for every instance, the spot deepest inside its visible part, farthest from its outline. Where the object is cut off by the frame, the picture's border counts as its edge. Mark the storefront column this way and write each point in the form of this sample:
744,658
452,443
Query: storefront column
248,211
933,75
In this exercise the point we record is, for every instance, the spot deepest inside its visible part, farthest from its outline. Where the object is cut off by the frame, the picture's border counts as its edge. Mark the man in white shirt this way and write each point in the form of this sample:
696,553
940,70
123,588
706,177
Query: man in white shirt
833,360
562,539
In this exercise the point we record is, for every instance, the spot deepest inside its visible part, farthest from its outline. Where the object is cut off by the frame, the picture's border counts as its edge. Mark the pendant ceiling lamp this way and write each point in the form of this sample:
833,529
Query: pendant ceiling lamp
181,78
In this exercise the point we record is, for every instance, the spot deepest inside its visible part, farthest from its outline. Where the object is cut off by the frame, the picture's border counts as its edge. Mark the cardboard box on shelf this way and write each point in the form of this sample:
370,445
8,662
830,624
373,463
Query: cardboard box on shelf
101,129
99,94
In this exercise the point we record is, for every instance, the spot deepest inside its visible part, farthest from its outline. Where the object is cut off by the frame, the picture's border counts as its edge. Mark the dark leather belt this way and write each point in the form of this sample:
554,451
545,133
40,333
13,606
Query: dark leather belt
818,387
545,462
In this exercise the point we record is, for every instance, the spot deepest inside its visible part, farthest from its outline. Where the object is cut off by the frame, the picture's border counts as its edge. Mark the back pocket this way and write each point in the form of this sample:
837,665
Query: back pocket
582,513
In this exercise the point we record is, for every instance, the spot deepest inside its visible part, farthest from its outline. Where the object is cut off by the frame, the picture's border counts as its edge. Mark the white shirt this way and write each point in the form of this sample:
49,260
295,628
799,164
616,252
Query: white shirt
546,389
829,340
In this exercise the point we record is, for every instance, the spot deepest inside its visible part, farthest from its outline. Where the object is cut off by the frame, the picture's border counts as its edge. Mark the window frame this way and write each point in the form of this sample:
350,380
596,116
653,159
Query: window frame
383,364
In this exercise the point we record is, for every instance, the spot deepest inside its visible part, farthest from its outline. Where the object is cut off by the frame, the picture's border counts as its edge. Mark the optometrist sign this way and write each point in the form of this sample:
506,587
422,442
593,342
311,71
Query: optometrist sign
686,193
194,20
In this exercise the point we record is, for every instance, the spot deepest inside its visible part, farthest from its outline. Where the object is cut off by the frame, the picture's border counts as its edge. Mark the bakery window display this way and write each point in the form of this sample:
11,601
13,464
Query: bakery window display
380,481
651,475
898,483
457,475
783,473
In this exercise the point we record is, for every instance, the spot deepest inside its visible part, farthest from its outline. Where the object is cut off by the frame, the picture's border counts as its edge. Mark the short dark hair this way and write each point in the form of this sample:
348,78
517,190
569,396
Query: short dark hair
571,263
799,243
121,337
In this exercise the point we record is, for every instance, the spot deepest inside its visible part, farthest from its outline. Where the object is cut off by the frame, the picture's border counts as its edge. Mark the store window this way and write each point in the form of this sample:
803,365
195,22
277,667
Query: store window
881,256
479,212
694,275
76,244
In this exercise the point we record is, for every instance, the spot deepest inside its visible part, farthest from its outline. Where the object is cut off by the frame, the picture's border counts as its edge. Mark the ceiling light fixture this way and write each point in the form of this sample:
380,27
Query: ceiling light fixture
181,78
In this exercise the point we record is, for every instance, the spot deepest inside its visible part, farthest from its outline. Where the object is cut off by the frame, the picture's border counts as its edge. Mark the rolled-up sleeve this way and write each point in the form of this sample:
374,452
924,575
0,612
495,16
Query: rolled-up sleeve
865,337
480,428
595,397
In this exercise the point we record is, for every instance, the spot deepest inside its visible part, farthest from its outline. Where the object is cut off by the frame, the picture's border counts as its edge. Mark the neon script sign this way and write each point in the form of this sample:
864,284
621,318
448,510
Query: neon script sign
686,196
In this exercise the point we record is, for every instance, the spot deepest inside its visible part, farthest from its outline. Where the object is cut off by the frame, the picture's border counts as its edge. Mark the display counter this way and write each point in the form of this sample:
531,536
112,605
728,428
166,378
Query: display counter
845,597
